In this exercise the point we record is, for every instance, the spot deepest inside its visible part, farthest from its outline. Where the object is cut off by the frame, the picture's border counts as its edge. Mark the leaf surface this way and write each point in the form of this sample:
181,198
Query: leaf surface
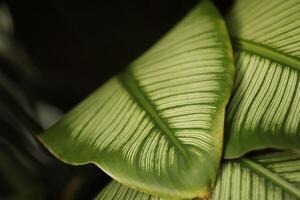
158,126
268,176
273,176
264,108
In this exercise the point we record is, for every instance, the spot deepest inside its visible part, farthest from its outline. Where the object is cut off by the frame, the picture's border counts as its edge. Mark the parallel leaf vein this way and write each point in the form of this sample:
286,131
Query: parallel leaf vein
131,85
277,180
267,52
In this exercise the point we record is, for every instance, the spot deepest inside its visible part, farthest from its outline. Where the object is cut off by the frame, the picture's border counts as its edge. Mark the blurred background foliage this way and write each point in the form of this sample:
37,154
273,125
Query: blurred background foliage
53,53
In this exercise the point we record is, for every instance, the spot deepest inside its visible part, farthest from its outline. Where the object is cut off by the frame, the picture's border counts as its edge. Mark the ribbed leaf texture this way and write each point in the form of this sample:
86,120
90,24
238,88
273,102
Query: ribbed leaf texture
272,176
265,104
116,191
158,127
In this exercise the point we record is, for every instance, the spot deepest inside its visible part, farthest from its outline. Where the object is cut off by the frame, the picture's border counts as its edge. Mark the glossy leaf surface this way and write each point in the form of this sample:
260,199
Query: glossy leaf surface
158,127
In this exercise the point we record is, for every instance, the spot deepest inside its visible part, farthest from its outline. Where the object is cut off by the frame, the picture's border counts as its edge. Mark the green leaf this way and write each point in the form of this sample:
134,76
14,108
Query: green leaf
116,191
265,104
269,176
158,126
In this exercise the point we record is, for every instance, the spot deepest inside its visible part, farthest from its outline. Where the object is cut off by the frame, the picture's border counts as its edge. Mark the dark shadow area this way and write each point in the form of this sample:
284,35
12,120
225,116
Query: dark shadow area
78,45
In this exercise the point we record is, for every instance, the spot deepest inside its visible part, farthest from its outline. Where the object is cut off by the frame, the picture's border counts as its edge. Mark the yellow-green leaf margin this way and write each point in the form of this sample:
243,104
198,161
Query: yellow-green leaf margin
266,176
158,126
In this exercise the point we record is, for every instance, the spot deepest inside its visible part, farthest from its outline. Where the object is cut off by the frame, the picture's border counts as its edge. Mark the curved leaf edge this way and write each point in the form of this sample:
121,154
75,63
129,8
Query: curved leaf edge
206,192
246,162
233,146
84,160
231,153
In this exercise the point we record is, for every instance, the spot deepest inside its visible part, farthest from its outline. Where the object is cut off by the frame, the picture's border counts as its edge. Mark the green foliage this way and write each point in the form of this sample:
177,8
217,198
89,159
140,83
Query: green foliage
265,102
267,176
158,127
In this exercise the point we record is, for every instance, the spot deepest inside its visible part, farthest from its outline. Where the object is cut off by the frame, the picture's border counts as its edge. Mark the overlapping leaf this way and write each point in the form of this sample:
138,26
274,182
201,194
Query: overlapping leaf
265,104
268,176
158,127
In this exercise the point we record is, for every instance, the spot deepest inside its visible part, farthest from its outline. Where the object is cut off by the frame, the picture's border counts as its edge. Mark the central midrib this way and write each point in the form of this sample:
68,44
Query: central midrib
274,178
133,88
267,52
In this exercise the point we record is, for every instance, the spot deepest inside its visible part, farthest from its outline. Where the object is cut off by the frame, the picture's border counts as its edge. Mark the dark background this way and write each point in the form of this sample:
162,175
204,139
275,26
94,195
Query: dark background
79,44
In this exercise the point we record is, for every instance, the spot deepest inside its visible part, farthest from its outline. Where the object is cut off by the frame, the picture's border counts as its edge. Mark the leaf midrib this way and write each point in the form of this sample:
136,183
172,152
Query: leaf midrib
128,81
265,51
274,178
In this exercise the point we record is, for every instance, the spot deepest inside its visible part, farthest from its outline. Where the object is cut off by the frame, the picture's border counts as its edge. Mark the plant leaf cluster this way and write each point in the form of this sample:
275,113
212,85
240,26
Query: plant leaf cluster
179,121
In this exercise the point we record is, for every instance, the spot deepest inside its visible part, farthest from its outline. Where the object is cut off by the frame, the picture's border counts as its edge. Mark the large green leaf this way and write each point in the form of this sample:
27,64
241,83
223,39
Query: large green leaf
265,104
273,176
158,126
